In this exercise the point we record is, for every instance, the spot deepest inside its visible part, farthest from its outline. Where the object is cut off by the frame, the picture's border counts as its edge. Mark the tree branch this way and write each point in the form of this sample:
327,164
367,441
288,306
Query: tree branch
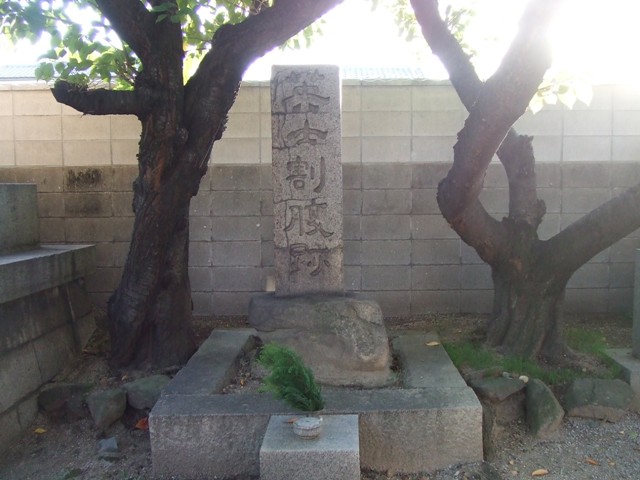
582,240
132,22
99,101
502,100
211,91
462,74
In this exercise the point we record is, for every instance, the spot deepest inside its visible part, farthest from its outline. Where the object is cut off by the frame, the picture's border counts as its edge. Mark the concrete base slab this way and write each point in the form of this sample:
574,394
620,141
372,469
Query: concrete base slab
407,430
630,366
334,454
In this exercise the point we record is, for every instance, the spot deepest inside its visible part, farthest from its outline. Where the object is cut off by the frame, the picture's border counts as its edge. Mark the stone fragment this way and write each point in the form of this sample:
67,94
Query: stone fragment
503,399
342,339
544,412
144,392
598,398
63,399
108,449
496,389
107,406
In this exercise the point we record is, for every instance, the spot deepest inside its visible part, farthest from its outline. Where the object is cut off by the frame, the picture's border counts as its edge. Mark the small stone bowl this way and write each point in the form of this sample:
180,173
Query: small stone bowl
307,427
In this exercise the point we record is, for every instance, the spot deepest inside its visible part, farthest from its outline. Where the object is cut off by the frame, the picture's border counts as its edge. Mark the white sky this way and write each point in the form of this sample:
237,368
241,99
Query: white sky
590,39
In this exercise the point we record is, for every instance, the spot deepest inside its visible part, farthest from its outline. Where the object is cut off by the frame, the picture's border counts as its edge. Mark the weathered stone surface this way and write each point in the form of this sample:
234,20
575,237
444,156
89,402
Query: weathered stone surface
544,412
63,399
496,389
144,392
335,454
597,398
342,339
503,401
307,179
107,406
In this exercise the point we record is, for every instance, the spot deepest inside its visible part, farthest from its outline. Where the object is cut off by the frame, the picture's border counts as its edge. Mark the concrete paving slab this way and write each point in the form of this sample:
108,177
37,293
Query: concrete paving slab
335,454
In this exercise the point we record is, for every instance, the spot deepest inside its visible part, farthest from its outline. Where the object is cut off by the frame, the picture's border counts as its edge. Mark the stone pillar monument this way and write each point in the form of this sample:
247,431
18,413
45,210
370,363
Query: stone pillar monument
342,338
307,180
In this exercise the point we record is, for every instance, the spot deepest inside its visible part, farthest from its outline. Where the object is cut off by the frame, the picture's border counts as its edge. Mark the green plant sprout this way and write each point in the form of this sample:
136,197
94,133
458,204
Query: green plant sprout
290,379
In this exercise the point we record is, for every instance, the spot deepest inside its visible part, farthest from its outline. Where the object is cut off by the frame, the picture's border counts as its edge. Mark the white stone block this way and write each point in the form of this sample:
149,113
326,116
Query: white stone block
335,454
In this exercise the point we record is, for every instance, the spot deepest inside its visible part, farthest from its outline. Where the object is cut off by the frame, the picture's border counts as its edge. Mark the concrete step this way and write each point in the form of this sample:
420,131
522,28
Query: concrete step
335,454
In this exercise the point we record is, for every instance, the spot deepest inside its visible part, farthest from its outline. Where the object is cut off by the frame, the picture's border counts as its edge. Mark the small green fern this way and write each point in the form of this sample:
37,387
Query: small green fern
290,379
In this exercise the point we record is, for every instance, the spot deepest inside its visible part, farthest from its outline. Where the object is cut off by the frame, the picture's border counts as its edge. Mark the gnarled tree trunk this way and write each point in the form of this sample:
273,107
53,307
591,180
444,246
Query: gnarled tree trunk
529,275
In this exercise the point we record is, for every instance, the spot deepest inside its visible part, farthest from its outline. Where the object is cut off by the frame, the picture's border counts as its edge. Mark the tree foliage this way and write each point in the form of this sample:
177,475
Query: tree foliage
84,48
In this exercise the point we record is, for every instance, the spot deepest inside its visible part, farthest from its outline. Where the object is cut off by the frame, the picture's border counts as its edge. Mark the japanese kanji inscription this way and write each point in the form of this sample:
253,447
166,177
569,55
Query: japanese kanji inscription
307,179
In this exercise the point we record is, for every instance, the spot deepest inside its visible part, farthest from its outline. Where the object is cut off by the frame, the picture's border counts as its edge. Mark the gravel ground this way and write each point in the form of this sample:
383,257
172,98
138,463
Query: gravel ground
583,449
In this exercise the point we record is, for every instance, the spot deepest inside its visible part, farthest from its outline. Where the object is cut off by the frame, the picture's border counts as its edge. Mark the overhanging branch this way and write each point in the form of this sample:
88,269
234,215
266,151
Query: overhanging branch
579,242
99,101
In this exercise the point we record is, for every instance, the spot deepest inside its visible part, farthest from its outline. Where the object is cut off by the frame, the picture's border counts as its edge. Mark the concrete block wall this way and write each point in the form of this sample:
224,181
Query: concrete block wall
397,144
41,334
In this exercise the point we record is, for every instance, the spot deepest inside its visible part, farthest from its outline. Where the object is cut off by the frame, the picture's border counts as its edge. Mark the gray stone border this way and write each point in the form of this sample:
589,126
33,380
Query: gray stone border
197,432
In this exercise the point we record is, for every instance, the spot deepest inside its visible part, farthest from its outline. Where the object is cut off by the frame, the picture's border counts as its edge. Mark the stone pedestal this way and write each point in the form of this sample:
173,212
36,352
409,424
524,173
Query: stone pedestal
341,338
335,454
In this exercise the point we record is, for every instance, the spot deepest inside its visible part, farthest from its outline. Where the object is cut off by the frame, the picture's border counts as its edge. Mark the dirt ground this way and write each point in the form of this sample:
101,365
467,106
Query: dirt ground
583,449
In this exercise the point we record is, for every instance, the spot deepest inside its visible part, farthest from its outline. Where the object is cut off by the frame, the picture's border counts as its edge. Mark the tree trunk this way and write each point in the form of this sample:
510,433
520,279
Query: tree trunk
150,312
527,315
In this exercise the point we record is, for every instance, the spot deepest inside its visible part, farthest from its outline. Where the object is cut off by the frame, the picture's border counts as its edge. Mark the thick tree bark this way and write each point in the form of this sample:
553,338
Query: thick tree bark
150,312
529,275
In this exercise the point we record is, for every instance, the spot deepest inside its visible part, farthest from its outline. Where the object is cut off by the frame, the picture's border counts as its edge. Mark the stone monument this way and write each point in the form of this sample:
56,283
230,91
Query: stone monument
307,180
341,337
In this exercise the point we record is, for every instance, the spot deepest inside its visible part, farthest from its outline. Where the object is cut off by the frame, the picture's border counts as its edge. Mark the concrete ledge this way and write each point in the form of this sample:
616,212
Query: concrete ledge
27,272
630,366
214,364
407,430
425,366
335,454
